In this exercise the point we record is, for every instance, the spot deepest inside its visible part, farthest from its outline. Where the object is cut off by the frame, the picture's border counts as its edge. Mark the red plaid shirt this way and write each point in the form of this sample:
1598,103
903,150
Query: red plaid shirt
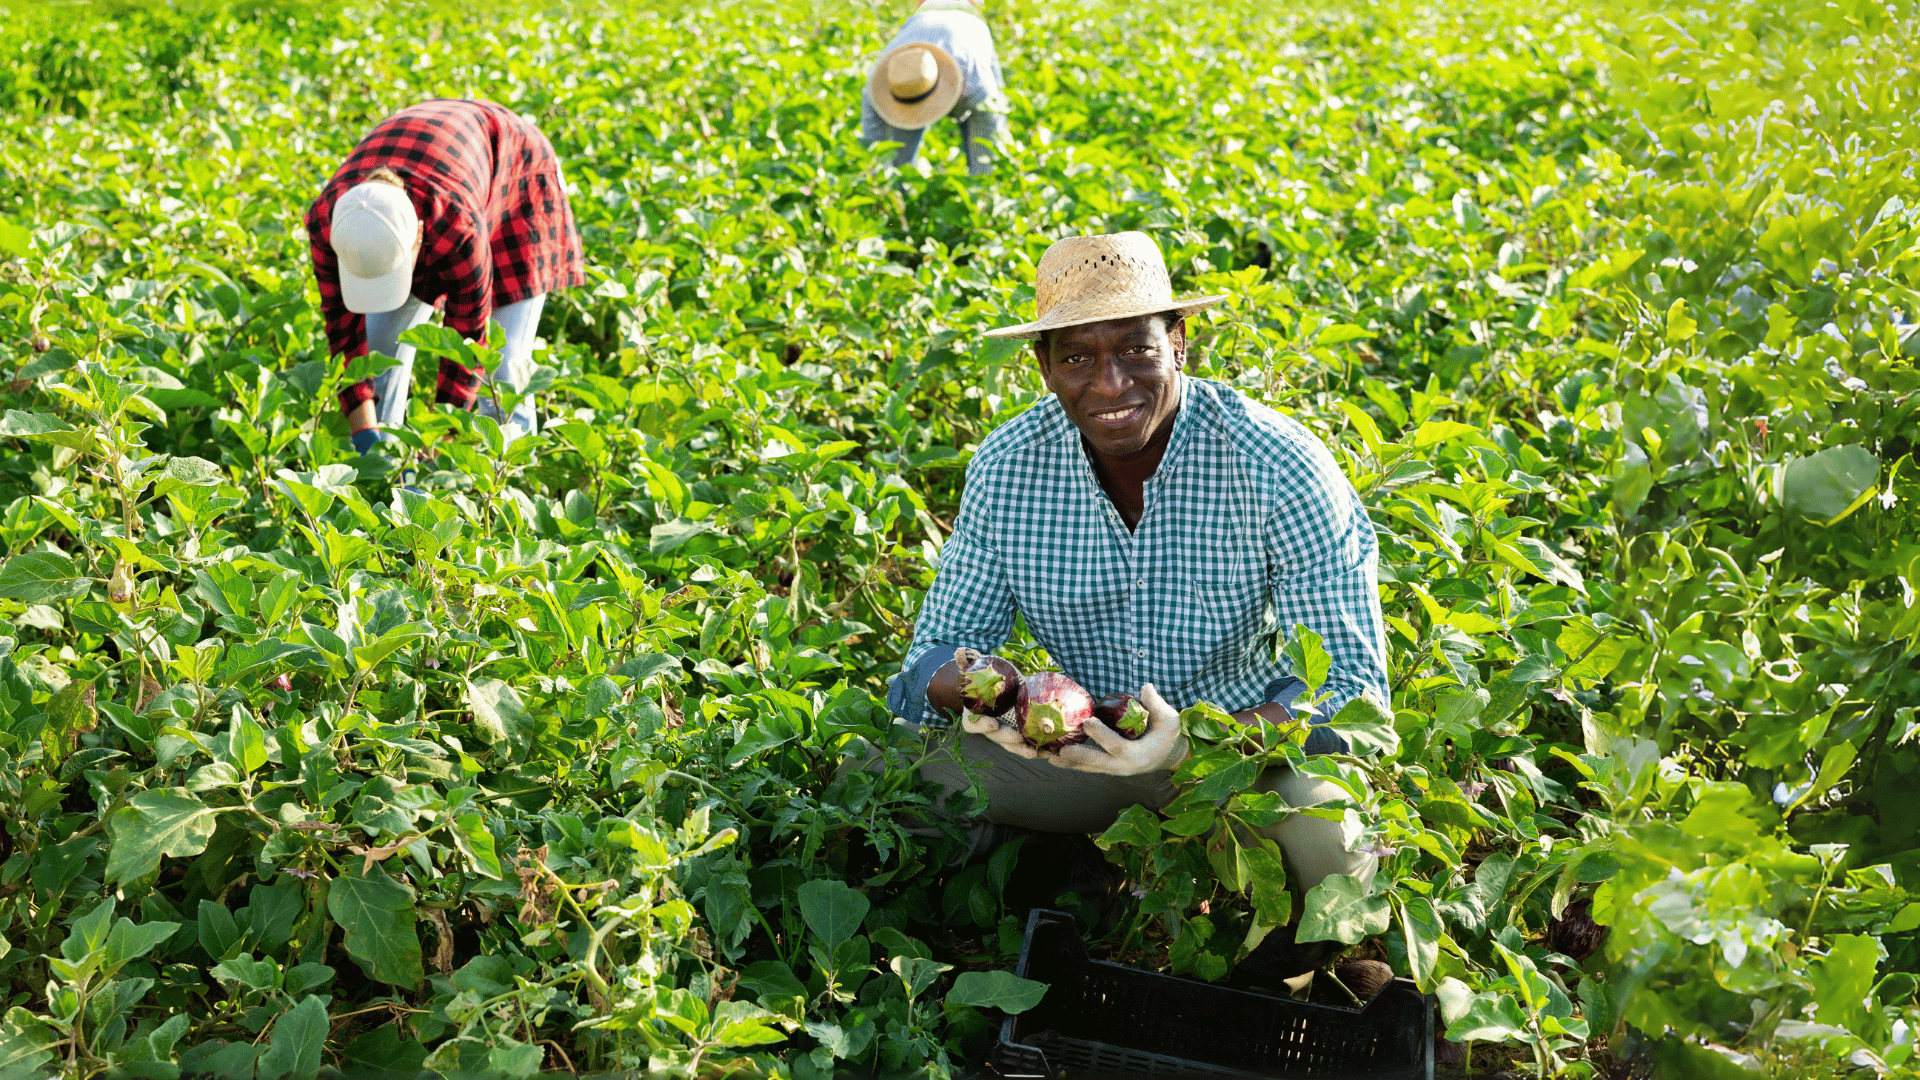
496,228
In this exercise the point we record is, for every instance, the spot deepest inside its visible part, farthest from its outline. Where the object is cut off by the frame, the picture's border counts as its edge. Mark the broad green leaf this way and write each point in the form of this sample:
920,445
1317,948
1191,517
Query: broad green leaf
44,427
247,741
225,589
833,910
153,824
1136,826
376,912
1307,658
1435,432
1001,990
916,973
1341,909
41,577
498,713
1829,485
1367,726
470,835
26,1045
254,974
1422,930
299,1037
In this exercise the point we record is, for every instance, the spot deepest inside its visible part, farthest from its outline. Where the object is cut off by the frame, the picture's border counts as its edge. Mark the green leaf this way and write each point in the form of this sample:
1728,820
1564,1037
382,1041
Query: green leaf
1341,909
261,975
247,742
44,427
1307,658
153,824
1843,980
225,589
26,1045
1001,990
1420,925
184,472
220,934
1367,726
41,577
833,910
1340,334
498,713
1435,432
376,912
742,1023
1829,485
470,835
299,1036
384,1054
1136,826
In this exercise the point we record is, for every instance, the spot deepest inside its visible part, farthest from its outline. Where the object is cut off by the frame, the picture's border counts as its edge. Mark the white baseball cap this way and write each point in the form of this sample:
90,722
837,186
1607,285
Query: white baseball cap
373,233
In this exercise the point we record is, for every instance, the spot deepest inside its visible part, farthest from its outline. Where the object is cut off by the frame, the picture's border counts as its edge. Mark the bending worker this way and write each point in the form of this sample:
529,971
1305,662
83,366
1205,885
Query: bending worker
1154,529
941,63
455,204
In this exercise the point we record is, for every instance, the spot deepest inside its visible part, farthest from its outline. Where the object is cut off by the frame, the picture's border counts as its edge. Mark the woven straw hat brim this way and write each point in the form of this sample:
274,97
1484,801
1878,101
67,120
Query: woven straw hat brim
914,116
1101,309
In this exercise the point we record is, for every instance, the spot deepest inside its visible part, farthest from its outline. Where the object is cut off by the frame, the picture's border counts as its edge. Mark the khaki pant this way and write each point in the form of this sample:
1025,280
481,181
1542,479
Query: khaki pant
1036,795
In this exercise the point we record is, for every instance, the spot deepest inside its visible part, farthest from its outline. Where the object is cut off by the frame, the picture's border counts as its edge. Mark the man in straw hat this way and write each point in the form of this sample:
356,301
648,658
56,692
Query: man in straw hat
1155,531
941,63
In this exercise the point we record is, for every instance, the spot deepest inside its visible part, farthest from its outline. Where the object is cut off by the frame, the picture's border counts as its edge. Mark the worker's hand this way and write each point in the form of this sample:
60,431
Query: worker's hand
1109,752
1002,730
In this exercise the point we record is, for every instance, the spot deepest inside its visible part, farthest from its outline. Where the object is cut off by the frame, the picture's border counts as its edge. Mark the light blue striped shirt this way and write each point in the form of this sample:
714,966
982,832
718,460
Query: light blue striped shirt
965,37
1249,529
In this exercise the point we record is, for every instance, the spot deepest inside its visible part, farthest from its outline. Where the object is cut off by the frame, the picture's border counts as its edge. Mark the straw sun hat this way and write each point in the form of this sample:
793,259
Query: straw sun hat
913,85
1088,279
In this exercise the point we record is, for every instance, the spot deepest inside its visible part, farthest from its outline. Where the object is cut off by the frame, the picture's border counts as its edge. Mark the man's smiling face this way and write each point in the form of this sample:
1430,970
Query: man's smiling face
1119,381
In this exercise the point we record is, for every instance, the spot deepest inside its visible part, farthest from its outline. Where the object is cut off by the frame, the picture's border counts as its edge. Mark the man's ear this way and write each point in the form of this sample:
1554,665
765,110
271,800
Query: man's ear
1177,336
1040,356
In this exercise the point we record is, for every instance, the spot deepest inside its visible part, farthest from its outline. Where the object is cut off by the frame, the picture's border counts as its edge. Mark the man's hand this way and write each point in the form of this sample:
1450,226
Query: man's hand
1111,753
1000,729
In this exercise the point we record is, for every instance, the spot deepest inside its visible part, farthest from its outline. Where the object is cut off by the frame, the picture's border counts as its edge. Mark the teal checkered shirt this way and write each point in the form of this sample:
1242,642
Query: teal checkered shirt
1249,529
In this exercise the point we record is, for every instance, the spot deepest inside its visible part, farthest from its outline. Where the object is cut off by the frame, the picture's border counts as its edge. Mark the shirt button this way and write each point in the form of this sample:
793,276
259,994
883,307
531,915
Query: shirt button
1141,584
1143,652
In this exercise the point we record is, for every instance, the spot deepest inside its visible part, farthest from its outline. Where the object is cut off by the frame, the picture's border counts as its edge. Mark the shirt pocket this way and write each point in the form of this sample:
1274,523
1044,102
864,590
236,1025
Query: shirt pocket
1224,617
1073,617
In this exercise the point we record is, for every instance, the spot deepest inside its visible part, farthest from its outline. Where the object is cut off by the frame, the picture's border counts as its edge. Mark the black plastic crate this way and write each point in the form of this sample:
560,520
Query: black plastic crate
1102,1019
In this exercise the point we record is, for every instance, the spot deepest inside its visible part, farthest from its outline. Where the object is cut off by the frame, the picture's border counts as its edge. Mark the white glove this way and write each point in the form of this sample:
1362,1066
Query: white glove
1109,752
1000,729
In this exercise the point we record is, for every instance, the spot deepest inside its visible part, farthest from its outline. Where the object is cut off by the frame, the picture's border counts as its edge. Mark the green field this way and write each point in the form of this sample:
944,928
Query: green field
1609,313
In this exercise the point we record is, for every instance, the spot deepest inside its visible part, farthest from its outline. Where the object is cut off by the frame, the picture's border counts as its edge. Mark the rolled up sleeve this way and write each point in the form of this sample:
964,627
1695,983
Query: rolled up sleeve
1323,574
970,605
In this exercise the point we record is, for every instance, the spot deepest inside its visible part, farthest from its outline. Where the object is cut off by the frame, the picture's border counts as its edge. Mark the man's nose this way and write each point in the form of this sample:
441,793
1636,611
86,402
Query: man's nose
1110,379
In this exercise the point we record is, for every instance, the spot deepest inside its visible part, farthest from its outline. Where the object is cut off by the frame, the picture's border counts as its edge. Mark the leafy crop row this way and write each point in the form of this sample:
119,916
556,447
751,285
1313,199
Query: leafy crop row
1610,316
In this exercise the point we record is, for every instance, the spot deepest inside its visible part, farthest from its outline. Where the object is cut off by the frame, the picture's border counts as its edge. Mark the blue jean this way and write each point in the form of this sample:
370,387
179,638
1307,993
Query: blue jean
979,130
391,387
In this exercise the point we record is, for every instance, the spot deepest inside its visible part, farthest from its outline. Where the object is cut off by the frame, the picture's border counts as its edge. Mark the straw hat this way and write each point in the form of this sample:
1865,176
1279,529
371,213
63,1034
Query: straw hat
915,84
1087,279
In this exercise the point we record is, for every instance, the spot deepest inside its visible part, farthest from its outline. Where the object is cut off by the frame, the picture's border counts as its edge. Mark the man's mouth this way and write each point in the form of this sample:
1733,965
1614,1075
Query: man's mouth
1118,417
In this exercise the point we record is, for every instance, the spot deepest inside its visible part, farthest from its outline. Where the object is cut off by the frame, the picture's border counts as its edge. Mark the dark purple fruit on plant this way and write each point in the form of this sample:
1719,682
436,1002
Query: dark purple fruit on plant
1504,764
41,344
1123,713
1574,933
989,686
1051,709
1364,977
